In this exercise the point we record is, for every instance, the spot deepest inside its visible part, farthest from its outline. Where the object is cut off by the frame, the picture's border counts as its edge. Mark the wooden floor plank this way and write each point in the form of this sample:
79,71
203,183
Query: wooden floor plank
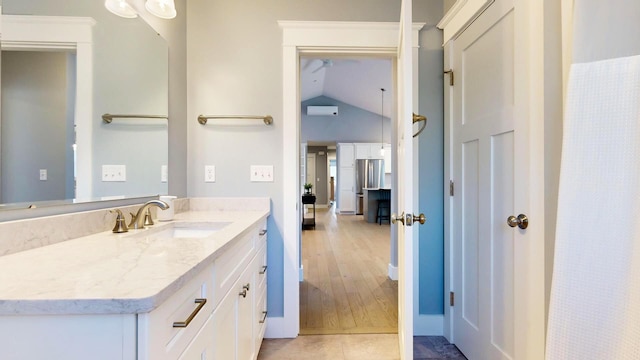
346,288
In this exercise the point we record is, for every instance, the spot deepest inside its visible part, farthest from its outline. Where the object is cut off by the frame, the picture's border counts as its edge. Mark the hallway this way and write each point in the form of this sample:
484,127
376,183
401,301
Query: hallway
346,289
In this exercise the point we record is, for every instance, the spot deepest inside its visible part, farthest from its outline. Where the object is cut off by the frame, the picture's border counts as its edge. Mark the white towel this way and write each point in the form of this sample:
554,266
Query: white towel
595,297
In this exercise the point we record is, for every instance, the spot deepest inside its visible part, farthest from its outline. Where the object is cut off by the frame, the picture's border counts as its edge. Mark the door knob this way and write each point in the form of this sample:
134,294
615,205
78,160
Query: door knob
522,221
420,218
395,218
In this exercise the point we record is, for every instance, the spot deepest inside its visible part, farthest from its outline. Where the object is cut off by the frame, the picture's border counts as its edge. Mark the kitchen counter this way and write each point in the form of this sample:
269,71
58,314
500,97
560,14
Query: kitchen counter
370,203
109,273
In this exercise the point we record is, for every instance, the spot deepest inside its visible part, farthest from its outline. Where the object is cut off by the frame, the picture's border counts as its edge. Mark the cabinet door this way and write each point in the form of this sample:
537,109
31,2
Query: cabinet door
363,151
225,328
201,347
374,151
346,155
245,313
347,196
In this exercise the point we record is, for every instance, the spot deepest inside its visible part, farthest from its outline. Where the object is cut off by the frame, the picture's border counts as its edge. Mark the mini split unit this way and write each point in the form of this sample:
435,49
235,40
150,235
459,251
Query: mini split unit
322,110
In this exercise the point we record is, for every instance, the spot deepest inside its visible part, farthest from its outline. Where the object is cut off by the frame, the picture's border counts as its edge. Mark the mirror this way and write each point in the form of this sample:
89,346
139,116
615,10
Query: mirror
54,144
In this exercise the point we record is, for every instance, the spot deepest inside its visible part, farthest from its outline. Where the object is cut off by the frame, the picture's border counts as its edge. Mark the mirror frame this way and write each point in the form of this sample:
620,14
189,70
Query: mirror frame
63,33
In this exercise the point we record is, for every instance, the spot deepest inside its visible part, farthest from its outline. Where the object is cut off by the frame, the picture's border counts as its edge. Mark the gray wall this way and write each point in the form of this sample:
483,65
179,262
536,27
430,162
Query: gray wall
235,67
605,29
321,183
352,124
34,123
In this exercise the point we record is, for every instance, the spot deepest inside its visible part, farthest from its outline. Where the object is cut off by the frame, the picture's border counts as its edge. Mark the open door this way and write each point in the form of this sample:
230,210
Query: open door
405,220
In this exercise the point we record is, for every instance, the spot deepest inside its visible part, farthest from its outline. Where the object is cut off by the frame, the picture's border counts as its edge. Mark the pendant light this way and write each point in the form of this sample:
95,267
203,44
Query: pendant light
121,8
382,122
164,9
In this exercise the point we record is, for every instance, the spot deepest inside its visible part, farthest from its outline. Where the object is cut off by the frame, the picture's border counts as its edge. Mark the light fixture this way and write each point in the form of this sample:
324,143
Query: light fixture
164,9
121,8
382,122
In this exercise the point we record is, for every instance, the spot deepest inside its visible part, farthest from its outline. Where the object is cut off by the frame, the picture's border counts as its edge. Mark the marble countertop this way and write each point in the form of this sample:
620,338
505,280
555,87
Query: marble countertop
109,273
376,189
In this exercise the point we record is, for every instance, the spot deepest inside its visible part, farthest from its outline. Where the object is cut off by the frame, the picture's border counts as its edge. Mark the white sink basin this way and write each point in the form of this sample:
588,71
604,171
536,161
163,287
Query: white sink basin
186,230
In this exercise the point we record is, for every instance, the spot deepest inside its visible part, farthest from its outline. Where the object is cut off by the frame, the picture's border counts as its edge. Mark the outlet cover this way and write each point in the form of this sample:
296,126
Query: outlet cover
43,174
261,173
209,173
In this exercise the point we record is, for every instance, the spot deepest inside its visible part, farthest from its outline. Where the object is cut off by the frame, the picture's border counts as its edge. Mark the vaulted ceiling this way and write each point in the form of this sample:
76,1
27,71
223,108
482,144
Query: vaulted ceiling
353,80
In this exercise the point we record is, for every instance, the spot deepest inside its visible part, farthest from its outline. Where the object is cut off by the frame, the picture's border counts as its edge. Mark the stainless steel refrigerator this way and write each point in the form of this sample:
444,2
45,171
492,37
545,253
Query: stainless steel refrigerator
369,174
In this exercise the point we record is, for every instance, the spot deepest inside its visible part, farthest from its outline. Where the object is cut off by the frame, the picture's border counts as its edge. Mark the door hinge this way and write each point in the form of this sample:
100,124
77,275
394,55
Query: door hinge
451,79
451,190
452,297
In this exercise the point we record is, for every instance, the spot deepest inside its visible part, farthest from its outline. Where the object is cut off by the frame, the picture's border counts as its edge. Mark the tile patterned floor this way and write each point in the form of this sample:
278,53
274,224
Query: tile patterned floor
355,347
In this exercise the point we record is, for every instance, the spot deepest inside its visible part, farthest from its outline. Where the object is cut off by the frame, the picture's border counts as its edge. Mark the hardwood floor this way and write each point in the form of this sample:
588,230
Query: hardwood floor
346,289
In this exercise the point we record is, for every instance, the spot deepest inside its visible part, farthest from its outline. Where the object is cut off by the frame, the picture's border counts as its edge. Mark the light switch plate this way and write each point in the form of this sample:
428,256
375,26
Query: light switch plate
43,174
209,173
164,173
261,173
114,173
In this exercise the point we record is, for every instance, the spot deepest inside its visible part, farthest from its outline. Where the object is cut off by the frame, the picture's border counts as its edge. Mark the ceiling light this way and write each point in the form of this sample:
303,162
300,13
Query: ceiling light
121,8
164,9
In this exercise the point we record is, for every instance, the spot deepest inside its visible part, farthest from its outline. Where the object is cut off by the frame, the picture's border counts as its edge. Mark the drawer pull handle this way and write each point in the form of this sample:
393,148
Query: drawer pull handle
264,317
184,324
245,288
263,232
264,270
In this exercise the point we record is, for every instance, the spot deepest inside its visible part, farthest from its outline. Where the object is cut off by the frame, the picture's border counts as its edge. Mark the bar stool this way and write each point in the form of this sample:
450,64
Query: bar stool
384,207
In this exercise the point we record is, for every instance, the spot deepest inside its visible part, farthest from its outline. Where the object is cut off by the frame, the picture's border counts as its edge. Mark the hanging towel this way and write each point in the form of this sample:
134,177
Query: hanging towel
595,298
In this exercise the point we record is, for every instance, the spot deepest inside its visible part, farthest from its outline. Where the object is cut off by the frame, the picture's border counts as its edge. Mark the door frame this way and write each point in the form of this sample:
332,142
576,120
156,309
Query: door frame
314,37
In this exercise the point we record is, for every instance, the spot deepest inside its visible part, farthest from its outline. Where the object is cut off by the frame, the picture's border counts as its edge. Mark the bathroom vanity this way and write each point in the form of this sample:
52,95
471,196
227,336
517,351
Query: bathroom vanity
191,288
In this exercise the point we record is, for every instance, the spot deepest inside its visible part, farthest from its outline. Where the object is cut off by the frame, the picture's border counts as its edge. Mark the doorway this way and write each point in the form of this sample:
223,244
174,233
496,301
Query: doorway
345,287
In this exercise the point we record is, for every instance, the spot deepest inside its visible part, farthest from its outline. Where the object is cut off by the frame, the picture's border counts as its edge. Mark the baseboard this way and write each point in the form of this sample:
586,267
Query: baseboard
393,272
428,325
276,329
301,273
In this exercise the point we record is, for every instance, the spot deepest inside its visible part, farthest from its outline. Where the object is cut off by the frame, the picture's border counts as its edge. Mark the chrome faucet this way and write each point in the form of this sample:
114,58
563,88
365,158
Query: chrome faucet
138,218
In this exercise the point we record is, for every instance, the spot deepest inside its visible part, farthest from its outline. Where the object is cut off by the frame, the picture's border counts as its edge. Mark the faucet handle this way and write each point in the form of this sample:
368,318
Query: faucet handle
148,220
121,224
133,220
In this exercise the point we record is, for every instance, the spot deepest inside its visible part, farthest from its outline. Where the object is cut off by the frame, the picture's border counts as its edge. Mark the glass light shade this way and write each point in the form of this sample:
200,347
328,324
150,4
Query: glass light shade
121,8
164,9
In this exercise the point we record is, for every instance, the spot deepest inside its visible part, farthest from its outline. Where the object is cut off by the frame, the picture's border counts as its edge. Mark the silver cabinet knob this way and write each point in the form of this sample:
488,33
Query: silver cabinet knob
522,221
395,218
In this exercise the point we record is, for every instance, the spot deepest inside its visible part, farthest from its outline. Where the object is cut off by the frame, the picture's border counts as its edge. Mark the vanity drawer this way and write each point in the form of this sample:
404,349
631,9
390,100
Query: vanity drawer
166,331
228,267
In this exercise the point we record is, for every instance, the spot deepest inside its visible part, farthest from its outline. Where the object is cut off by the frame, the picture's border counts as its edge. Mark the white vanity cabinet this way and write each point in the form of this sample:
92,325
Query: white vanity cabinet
223,328
218,313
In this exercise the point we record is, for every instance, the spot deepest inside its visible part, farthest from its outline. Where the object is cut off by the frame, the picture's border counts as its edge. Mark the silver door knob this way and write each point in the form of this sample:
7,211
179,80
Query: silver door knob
395,218
420,218
522,221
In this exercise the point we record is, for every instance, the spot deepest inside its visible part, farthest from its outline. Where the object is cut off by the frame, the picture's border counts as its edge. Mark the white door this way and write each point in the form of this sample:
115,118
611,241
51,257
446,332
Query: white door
405,194
490,262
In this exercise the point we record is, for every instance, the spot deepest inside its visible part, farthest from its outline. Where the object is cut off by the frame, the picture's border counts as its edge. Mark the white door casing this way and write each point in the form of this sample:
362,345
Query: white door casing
496,272
404,186
358,38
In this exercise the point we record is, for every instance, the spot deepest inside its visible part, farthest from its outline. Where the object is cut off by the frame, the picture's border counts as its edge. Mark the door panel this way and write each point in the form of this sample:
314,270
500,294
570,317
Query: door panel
483,131
470,239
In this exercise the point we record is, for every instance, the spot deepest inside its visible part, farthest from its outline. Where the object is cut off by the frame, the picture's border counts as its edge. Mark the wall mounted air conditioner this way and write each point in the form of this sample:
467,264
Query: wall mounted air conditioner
322,110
